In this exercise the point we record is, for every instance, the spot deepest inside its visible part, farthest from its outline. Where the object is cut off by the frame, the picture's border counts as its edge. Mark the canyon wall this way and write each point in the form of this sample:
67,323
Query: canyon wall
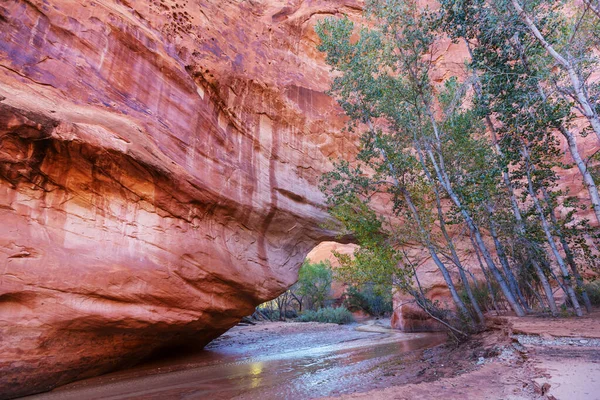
159,163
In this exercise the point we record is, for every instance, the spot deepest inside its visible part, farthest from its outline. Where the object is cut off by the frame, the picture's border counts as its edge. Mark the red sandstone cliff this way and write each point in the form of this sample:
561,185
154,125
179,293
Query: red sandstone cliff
158,174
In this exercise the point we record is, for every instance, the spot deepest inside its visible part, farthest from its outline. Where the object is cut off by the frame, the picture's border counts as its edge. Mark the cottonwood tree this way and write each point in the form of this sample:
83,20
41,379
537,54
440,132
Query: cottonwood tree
567,43
511,87
478,154
384,87
314,283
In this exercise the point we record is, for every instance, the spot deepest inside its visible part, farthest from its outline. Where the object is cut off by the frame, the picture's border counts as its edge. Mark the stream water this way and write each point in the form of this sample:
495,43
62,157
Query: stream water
245,365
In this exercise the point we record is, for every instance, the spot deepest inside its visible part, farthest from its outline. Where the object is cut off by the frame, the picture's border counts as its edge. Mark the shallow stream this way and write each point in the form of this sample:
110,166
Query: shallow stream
247,363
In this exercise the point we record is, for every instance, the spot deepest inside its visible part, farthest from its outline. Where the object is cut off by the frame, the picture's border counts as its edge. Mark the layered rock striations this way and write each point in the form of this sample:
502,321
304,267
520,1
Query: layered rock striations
159,163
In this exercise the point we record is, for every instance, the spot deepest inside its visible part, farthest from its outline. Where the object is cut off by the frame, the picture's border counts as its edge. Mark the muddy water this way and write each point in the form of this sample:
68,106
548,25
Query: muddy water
246,365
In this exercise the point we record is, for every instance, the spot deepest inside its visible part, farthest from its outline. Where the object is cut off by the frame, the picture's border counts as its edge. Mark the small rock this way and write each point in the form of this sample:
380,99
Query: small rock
584,341
545,388
480,361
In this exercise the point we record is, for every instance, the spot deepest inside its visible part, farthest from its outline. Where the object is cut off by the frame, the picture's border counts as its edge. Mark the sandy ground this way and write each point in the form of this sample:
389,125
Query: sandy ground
526,358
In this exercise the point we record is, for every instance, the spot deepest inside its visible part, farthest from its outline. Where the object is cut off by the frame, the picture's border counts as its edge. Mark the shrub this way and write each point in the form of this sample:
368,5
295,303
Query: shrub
593,291
482,295
370,299
314,283
338,316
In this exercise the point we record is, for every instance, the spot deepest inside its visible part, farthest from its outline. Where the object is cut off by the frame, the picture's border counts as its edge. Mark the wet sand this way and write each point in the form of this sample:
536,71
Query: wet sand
266,361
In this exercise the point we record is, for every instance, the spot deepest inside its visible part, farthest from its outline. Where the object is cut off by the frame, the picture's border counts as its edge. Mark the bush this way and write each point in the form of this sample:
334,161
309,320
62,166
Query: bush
314,283
338,316
482,295
370,299
593,291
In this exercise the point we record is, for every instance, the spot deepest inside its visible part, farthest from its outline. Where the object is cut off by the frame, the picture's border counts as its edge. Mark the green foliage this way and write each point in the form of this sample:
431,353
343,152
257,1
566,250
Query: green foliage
338,316
314,283
593,291
482,295
373,300
275,314
461,148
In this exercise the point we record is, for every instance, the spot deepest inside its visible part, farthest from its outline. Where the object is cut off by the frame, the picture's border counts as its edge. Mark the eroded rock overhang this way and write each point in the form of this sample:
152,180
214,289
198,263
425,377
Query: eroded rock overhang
159,164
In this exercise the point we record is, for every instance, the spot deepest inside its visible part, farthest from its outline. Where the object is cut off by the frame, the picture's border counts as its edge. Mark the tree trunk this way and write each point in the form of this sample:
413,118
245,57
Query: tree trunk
447,278
445,182
577,83
449,241
594,7
588,179
517,211
546,286
550,239
569,255
456,260
510,277
487,278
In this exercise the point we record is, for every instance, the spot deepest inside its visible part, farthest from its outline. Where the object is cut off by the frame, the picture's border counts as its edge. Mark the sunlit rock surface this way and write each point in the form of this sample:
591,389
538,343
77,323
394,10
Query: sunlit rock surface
159,163
324,252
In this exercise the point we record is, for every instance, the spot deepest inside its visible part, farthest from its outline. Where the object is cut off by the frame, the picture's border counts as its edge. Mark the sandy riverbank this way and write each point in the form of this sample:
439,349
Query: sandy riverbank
521,359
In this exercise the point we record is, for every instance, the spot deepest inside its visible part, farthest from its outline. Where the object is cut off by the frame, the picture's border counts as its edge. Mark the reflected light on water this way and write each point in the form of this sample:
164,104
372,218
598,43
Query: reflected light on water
256,369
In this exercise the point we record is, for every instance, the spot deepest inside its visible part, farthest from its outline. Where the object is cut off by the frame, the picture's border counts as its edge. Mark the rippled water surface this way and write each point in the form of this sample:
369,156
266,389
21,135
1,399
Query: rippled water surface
297,365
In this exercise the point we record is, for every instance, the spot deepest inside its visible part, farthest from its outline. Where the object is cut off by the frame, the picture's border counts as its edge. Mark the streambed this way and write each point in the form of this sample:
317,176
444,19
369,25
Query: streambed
266,361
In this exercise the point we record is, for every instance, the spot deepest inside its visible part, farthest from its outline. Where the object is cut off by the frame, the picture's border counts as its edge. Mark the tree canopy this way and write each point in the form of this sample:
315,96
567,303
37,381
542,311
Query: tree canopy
477,154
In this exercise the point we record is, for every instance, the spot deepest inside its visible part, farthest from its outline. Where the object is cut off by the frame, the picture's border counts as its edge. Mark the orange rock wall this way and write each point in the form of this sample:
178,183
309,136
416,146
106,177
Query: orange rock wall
158,174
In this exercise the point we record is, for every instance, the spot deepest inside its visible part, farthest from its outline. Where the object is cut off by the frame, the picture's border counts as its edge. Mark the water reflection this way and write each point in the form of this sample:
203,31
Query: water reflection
256,370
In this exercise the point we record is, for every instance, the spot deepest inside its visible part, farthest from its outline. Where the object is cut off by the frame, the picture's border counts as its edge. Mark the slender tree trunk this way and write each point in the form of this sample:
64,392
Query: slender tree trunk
510,277
459,266
449,240
442,176
445,182
422,302
536,294
487,278
594,7
577,83
546,286
568,254
455,296
588,179
515,205
521,226
448,279
578,279
548,233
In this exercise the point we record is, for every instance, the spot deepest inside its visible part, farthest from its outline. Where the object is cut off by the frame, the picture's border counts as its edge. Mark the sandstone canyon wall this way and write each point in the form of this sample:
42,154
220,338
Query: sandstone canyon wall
158,174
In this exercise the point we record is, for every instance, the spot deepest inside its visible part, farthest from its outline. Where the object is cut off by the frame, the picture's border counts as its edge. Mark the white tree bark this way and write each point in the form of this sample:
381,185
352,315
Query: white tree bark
577,83
547,231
